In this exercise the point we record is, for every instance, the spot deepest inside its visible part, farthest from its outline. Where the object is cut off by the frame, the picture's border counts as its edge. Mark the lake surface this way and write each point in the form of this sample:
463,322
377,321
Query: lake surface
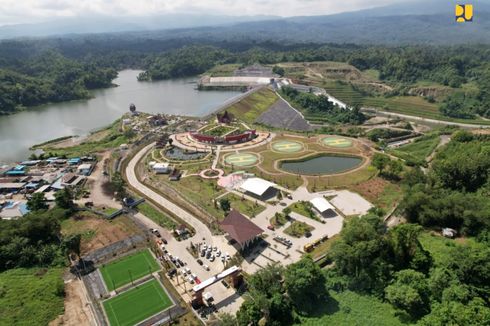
325,164
20,131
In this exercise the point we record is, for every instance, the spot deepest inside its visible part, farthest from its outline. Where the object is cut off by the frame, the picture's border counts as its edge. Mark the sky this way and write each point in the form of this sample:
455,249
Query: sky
33,11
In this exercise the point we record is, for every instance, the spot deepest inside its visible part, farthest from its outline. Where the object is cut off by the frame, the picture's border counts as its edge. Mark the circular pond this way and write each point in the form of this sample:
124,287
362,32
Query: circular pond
322,164
337,142
287,146
241,159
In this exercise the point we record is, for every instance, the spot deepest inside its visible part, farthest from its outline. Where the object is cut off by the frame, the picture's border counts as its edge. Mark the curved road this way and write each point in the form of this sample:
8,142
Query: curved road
202,231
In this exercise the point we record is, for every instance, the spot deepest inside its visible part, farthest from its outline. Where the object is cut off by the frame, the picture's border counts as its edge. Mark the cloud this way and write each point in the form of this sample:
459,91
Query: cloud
25,11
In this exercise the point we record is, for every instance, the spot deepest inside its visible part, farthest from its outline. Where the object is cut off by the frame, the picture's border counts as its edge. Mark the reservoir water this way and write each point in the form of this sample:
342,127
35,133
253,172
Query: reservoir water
36,125
324,164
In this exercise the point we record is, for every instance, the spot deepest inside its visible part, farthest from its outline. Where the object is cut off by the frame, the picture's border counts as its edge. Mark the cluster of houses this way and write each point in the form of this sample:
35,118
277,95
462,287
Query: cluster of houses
19,182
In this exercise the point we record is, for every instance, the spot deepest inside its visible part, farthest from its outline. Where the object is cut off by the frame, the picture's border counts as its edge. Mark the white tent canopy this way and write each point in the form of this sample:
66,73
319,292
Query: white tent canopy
257,186
321,204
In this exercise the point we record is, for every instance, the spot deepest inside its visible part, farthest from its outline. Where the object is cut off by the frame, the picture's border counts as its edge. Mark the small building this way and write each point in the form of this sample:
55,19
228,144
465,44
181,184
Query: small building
224,117
323,207
449,233
123,147
259,188
11,187
175,175
74,161
85,169
160,168
240,229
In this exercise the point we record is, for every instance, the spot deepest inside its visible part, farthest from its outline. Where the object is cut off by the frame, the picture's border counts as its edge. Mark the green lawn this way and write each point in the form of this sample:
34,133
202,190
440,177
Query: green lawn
352,309
156,215
298,229
418,150
304,208
244,206
137,304
249,108
120,272
31,296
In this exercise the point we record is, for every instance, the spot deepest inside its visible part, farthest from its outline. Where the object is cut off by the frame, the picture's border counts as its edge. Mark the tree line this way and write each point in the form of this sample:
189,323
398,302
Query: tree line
34,72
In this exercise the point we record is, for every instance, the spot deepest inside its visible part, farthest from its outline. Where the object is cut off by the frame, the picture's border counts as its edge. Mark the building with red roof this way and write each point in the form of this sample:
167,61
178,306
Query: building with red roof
240,229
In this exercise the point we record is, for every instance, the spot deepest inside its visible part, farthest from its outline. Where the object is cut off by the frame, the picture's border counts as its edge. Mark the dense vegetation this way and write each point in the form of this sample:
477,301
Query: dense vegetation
49,77
34,72
312,104
455,191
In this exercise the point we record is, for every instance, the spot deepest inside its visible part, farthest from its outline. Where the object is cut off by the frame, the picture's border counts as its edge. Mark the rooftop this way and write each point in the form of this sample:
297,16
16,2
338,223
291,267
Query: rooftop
321,204
240,228
257,186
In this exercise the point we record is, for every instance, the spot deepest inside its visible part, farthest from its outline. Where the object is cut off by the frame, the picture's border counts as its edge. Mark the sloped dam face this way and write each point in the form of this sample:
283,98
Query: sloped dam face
321,164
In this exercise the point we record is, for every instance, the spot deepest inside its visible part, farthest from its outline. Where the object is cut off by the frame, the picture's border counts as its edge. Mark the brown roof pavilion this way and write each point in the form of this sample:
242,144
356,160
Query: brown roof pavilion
240,228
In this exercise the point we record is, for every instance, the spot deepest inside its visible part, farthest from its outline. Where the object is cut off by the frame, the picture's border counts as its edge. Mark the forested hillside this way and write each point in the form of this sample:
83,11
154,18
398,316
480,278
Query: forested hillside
34,72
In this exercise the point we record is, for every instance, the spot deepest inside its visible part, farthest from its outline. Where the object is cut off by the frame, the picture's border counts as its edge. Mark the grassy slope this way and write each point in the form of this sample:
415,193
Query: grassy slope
350,309
137,304
140,264
249,108
225,70
418,150
156,215
30,296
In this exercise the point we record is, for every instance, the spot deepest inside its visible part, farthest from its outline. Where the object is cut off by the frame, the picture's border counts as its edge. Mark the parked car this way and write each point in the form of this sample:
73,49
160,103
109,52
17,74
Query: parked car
225,284
190,279
172,272
206,267
270,227
203,253
164,241
199,262
211,259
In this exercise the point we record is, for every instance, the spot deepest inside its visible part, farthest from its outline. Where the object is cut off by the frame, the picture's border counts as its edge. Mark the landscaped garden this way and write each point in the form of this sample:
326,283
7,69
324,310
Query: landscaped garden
304,208
298,229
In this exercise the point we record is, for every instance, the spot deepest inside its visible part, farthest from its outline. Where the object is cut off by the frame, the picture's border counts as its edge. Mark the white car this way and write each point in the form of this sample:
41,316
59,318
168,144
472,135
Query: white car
187,270
215,248
194,276
206,267
218,253
211,259
190,279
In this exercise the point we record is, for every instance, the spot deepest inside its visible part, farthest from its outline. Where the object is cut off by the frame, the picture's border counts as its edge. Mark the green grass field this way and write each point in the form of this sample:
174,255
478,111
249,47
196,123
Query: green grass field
31,296
137,304
418,150
120,272
352,309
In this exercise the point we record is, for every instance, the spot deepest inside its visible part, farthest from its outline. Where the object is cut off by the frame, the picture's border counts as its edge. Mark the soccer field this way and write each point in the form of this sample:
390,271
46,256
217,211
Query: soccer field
137,304
120,272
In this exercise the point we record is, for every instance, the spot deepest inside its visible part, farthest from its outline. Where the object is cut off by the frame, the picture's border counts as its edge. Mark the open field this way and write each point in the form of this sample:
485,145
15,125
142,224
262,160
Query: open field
380,192
196,190
440,247
31,296
137,304
156,215
249,108
108,138
128,269
243,205
418,150
96,231
349,308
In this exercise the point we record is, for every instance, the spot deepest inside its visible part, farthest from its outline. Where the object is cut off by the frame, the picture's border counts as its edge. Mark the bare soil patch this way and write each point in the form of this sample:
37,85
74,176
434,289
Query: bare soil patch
77,310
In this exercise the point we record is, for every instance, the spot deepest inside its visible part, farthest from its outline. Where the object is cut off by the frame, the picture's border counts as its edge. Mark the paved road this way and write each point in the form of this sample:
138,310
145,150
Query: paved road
440,122
201,230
